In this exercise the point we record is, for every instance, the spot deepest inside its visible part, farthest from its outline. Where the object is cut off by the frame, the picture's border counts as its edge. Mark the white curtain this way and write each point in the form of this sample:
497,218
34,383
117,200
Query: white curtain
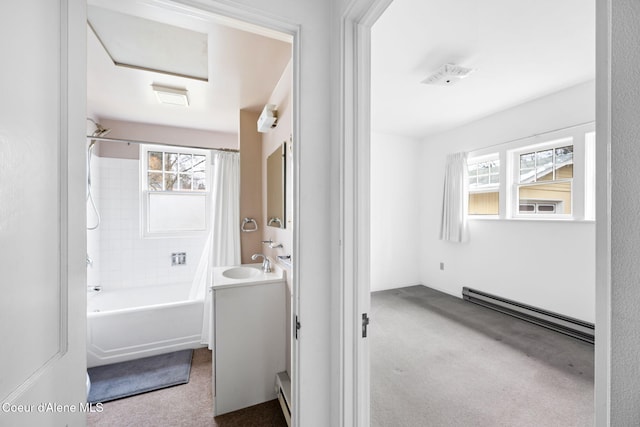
456,199
223,246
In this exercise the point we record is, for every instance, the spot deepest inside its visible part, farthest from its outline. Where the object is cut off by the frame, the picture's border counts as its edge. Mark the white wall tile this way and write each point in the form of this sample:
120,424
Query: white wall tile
127,259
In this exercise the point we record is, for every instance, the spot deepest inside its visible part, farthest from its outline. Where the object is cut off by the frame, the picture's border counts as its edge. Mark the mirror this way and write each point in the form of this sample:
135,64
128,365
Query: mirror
276,187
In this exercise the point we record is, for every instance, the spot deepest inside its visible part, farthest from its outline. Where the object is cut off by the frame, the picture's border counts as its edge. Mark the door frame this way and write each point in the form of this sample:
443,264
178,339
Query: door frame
251,20
355,70
354,140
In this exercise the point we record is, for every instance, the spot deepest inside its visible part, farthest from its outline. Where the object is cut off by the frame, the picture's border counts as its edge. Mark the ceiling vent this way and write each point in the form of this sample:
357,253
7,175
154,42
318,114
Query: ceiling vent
447,75
171,95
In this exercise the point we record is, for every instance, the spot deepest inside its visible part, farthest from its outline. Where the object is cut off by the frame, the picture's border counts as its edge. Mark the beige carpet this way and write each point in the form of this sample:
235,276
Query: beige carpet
188,405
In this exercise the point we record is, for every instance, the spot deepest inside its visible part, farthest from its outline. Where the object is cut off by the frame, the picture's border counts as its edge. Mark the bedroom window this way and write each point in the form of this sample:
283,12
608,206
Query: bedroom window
175,190
484,185
535,178
544,185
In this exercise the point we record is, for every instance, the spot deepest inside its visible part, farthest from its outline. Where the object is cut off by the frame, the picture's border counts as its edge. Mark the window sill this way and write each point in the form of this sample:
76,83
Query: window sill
525,219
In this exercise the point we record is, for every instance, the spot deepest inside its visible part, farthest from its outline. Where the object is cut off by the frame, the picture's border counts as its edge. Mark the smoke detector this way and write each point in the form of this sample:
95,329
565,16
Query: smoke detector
447,75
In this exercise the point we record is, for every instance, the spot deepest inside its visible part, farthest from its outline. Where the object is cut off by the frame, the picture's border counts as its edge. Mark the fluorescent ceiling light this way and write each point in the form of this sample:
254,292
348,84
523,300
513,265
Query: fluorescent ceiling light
171,95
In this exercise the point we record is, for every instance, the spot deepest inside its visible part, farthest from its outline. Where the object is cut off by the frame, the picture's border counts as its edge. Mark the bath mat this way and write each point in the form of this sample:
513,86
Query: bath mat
110,382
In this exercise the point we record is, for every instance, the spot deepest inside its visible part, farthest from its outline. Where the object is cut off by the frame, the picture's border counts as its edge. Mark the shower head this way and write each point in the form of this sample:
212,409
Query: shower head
100,131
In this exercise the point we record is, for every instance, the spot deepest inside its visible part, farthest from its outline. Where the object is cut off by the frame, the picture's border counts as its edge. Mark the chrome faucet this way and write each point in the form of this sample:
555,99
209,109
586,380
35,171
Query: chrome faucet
266,264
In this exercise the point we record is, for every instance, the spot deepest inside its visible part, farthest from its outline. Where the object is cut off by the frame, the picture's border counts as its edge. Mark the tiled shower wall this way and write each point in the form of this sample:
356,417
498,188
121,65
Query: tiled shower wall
93,236
125,258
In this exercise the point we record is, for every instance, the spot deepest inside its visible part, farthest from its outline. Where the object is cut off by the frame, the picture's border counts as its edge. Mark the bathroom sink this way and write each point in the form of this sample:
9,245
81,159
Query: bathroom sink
244,275
241,272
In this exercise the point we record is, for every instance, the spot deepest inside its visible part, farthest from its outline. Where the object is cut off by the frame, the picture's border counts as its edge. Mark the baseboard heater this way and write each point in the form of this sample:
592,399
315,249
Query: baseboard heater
558,322
283,391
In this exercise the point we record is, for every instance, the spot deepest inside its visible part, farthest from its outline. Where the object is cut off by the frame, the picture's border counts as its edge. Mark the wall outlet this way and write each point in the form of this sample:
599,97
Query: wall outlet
178,258
442,266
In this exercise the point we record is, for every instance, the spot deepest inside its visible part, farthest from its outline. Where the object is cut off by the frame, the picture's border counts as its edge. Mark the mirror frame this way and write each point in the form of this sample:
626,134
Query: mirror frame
277,158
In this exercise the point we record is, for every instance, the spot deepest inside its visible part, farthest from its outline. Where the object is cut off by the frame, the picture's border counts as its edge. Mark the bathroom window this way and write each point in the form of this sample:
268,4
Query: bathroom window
175,190
544,184
176,171
484,185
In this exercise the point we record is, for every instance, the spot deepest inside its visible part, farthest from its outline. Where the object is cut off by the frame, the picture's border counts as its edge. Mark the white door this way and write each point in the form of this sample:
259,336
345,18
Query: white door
42,295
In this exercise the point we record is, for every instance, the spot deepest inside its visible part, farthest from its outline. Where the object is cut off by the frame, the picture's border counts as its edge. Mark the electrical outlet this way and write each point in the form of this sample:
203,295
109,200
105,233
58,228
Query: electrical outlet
178,258
442,266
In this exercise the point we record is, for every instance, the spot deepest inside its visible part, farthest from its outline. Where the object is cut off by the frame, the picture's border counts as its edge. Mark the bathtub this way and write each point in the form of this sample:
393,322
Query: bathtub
132,323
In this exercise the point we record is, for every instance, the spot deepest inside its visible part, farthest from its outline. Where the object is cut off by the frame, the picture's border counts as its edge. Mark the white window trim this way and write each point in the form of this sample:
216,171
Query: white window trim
145,193
514,182
583,138
490,188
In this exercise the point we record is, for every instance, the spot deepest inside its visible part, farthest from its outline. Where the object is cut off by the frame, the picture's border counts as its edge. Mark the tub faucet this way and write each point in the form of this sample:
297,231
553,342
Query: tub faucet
266,264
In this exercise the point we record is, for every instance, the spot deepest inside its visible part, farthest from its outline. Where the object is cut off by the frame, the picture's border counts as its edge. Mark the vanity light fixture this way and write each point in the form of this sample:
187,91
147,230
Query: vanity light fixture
171,95
268,118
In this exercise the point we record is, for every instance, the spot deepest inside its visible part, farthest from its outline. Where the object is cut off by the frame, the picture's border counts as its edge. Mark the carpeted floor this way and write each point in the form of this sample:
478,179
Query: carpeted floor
437,360
188,405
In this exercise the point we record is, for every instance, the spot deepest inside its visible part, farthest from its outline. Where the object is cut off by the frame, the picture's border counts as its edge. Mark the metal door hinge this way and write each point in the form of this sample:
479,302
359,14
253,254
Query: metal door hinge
365,323
296,326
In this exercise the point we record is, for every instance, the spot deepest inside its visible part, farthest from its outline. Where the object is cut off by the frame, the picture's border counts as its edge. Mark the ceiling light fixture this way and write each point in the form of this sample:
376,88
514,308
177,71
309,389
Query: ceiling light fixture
447,75
171,95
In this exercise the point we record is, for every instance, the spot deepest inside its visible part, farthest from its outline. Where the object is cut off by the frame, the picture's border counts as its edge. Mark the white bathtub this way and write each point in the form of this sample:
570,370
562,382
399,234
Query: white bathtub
133,323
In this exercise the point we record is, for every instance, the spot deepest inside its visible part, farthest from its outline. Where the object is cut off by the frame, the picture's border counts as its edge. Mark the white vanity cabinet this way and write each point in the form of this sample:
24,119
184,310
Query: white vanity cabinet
250,326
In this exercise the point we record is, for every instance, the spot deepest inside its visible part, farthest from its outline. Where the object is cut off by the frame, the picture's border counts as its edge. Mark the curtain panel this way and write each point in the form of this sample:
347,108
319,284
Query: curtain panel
455,199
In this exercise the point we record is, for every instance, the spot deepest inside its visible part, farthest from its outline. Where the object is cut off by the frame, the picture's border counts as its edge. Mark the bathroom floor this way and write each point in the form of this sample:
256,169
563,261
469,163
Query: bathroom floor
188,405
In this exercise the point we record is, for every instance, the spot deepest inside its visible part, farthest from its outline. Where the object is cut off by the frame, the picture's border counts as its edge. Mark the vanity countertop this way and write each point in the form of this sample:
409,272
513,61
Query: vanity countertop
245,275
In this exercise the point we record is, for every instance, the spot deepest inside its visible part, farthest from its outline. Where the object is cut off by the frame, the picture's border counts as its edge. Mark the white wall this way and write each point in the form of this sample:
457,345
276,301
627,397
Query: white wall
395,216
545,264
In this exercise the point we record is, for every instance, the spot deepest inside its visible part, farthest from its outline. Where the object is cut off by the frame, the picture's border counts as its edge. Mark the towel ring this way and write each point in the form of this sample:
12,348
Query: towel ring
246,221
276,221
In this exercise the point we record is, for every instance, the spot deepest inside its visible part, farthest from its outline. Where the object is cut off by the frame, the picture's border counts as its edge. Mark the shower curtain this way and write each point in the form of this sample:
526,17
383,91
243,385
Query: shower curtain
223,244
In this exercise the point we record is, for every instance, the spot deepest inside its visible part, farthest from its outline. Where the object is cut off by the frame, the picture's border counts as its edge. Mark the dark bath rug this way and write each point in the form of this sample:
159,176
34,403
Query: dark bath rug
110,382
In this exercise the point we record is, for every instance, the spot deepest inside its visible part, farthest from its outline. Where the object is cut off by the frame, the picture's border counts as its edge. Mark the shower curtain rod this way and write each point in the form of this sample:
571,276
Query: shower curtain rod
165,144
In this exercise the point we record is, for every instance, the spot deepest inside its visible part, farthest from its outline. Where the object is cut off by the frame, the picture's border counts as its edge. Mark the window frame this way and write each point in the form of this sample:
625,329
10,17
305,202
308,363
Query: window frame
583,185
146,194
516,185
488,188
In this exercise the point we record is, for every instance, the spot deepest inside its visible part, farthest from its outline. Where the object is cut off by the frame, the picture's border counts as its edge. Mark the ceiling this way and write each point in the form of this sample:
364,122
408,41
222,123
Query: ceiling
243,64
520,50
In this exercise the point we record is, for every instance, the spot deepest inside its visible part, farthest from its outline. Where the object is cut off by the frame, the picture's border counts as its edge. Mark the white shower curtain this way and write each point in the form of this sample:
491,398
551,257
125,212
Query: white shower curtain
223,245
455,202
